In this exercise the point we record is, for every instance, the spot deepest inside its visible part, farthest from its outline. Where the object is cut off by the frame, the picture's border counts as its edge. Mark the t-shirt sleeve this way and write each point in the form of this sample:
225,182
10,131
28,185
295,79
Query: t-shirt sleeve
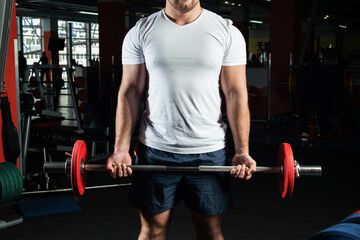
235,53
132,52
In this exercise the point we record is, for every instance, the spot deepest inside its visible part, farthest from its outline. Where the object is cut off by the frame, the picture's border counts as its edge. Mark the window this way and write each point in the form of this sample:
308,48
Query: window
94,41
32,38
84,40
62,33
79,43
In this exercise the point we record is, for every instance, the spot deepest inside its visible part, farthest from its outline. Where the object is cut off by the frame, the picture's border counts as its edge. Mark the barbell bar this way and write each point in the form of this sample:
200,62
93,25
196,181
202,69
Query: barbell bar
288,169
59,167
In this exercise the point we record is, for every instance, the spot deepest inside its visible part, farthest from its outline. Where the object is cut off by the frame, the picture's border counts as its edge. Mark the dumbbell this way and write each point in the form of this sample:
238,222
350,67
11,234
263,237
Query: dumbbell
287,168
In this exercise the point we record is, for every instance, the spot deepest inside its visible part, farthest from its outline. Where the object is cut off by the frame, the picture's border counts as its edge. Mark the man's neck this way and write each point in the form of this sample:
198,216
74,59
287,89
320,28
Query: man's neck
180,18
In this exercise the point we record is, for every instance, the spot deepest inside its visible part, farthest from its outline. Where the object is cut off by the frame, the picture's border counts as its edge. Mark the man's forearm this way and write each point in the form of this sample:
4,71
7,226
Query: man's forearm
239,118
127,113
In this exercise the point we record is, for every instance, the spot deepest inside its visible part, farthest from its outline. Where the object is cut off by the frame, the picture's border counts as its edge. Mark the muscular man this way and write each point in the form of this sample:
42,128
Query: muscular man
186,50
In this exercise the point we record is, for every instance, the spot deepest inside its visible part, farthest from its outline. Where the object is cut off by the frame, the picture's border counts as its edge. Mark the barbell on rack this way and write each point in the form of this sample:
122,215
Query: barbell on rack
288,169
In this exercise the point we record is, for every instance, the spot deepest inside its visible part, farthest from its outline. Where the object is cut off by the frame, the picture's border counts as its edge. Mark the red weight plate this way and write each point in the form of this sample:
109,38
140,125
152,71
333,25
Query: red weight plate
355,213
73,169
36,93
78,159
83,107
286,180
82,95
38,106
33,82
82,177
79,82
87,120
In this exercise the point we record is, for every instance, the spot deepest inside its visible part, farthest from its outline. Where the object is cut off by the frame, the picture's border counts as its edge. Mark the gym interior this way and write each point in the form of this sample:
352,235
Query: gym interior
60,72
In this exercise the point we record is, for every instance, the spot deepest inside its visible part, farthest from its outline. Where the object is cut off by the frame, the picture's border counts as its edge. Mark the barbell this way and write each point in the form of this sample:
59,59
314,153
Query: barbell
288,169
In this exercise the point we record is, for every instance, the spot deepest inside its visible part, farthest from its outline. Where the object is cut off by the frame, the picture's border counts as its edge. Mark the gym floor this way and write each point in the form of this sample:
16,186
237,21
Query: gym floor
258,211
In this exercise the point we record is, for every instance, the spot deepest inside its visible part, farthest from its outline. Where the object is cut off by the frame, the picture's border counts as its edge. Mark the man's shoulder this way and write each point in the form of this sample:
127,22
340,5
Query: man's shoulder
217,18
217,23
148,21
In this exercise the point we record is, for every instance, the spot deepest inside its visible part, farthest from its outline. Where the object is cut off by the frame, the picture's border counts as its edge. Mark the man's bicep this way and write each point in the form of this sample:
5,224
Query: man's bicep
134,77
233,78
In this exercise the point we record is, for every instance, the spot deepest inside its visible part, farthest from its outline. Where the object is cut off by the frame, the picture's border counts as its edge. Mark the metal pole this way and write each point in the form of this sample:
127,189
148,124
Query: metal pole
164,168
269,89
308,32
69,189
59,167
17,84
25,139
69,45
6,8
88,43
72,93
21,35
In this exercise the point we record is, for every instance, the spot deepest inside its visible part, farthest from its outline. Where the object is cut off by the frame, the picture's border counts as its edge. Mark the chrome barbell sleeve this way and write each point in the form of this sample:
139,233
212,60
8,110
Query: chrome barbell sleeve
310,170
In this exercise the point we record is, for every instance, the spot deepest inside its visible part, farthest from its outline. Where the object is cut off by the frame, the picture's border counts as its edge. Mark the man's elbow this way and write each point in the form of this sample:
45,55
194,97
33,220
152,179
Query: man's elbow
237,94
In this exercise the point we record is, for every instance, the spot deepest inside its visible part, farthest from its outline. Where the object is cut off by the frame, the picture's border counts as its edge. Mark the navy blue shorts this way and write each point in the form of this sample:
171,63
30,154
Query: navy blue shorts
156,192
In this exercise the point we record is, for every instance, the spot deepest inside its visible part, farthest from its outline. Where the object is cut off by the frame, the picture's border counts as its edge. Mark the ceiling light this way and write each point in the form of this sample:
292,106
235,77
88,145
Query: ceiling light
88,13
226,2
256,21
239,5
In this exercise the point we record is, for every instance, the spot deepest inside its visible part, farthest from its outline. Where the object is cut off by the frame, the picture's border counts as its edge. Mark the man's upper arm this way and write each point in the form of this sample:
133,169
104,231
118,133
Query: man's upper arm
235,53
134,70
134,77
233,81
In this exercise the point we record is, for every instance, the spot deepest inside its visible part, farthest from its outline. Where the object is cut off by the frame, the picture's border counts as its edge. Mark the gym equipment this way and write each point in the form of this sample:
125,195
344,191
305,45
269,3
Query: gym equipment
87,120
11,221
82,95
286,179
85,108
47,206
292,82
341,231
347,229
41,136
11,144
26,102
11,182
38,105
353,218
79,82
77,167
33,82
36,93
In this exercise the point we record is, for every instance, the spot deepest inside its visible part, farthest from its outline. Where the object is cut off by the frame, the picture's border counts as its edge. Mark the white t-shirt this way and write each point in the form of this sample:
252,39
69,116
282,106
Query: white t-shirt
182,113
